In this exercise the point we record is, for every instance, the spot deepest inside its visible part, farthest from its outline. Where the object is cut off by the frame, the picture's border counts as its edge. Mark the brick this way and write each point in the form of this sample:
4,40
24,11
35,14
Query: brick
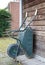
14,10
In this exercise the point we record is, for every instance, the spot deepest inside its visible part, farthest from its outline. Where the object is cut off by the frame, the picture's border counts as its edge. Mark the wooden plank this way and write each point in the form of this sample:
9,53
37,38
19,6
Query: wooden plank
29,11
38,28
40,45
35,2
39,6
42,33
39,38
38,23
37,18
40,53
40,15
40,12
26,1
40,48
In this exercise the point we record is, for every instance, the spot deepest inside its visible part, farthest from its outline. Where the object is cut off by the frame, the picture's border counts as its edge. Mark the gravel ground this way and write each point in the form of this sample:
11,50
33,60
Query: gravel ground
5,60
33,61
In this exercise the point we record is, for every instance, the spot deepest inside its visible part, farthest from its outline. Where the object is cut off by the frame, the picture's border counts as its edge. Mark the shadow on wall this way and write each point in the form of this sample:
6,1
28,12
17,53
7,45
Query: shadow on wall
34,43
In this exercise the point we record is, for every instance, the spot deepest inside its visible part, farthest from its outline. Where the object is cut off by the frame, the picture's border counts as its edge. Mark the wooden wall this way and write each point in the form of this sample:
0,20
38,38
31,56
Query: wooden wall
38,26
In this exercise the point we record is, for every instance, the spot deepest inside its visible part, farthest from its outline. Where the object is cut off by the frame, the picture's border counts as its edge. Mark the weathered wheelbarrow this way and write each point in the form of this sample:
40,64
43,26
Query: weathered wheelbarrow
24,40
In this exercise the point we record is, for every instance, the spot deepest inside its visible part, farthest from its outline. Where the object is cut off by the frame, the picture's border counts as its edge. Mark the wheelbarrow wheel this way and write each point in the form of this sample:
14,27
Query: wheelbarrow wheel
13,50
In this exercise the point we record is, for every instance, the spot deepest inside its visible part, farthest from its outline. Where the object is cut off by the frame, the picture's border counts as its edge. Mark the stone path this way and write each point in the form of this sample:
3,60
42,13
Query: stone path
5,60
34,61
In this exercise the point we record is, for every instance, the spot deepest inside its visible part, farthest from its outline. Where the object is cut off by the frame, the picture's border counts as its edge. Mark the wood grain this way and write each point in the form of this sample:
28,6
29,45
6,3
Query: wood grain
38,28
29,5
42,33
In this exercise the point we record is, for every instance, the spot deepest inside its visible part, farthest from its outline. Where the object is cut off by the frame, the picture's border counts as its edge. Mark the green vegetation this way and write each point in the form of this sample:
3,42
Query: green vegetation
5,18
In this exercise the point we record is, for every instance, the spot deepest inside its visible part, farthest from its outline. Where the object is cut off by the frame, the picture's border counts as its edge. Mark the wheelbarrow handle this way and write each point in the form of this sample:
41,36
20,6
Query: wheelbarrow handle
19,30
32,18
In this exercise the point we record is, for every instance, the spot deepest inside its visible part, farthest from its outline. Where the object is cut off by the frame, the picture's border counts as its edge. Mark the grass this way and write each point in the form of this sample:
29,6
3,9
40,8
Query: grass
5,42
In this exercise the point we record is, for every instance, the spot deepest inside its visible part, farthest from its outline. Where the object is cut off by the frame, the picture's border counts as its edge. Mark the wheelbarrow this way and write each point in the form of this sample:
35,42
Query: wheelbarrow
24,40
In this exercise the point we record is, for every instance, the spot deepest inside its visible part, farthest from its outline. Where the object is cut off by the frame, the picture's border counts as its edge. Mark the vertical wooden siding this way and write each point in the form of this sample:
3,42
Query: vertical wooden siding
38,26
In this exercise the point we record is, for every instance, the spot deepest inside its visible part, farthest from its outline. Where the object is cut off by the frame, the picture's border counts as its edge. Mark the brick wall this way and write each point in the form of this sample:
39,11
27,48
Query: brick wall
14,10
